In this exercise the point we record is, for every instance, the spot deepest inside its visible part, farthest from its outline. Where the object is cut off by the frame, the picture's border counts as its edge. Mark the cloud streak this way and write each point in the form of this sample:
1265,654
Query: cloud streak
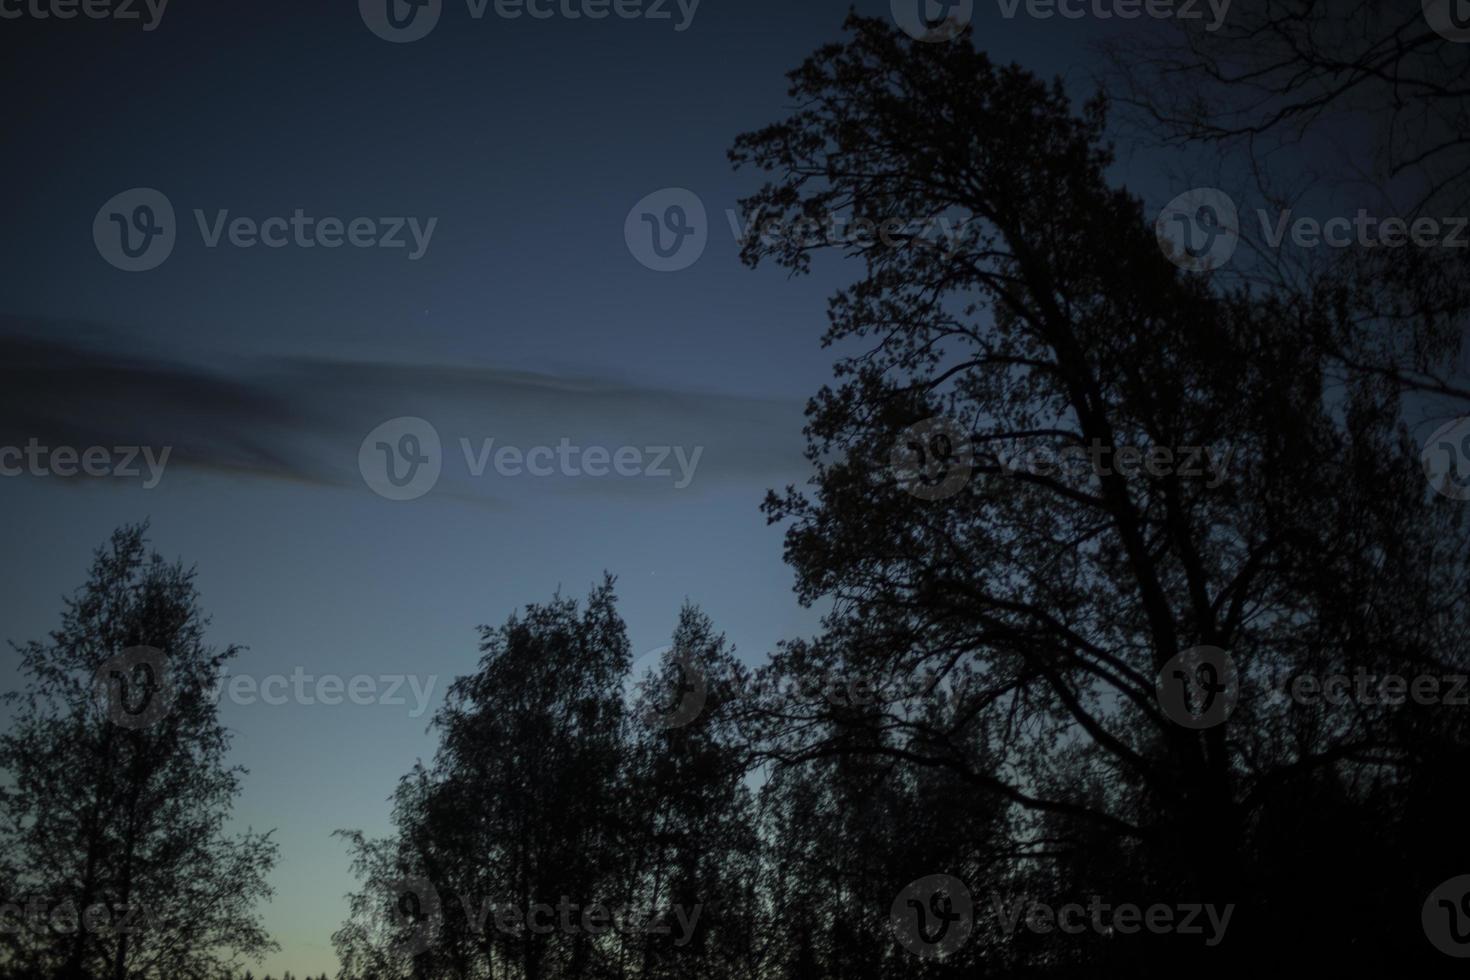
303,419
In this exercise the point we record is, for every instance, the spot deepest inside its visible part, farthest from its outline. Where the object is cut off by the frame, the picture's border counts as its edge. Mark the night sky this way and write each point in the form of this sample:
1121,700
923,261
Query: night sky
527,319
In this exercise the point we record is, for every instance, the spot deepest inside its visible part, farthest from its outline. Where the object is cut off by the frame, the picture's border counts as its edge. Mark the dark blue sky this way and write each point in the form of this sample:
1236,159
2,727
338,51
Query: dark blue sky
526,320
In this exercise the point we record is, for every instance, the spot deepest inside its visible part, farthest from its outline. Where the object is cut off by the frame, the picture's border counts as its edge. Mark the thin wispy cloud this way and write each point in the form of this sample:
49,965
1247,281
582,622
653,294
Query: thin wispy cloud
304,419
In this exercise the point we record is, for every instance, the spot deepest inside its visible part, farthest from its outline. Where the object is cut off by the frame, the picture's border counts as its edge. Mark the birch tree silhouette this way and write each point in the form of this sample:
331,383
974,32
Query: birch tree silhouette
118,864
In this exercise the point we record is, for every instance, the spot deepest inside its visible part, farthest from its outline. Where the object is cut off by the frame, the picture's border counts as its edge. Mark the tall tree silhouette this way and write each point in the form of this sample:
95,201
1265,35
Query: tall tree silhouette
695,843
548,788
1059,593
112,822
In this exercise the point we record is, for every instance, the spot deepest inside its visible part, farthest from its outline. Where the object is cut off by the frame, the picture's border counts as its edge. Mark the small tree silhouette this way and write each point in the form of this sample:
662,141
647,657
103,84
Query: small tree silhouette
122,813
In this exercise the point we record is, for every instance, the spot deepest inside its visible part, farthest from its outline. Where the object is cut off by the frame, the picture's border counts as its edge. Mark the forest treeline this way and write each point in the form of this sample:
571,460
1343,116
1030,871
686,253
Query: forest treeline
1115,763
